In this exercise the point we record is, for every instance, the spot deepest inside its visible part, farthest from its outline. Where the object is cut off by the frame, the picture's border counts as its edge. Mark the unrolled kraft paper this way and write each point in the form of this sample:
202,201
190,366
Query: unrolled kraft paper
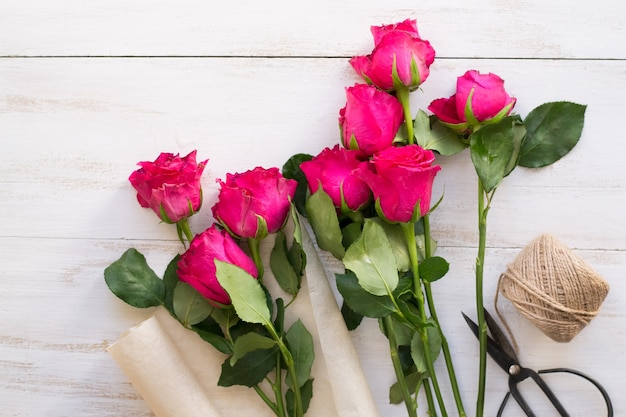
176,372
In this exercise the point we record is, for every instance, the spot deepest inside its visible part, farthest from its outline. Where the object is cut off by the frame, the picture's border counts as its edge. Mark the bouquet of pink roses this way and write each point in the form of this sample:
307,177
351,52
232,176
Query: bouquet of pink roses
215,288
369,200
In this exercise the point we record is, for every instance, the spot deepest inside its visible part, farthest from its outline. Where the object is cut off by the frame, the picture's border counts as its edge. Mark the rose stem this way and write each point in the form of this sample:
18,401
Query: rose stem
433,314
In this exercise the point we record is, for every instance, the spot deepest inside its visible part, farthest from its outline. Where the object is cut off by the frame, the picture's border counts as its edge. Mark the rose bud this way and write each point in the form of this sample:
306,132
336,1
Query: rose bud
334,170
170,186
370,119
197,267
400,57
254,203
479,99
401,181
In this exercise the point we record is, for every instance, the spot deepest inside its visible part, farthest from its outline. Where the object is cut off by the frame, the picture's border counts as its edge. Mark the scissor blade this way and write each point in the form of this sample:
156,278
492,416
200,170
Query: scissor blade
493,349
499,336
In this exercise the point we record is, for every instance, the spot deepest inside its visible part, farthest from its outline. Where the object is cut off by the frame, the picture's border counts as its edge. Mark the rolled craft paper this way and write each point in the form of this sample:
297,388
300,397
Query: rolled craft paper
176,372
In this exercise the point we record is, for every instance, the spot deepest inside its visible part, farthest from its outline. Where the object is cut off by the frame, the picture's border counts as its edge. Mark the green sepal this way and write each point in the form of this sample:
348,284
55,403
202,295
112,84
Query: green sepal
134,282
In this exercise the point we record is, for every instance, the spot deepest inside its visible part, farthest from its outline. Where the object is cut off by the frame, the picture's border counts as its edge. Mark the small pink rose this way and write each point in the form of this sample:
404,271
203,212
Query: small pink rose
170,186
259,195
479,99
197,267
401,178
396,46
334,170
370,119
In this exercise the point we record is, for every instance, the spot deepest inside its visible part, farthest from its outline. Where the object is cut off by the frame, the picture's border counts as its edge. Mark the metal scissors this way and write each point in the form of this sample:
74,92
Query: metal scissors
501,351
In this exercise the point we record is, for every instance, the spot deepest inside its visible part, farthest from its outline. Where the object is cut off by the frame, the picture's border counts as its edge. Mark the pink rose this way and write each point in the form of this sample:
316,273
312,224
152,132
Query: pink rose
479,99
401,178
170,186
259,195
370,120
334,169
197,267
396,45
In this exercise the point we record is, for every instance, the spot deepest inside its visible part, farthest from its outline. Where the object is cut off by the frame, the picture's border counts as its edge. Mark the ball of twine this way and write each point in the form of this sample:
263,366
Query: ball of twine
554,288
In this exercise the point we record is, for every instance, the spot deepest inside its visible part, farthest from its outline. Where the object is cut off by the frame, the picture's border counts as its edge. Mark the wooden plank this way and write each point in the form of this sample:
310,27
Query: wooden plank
73,130
457,28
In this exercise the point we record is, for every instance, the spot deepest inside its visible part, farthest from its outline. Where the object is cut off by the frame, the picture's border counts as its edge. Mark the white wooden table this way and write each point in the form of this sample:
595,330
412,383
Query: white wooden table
88,88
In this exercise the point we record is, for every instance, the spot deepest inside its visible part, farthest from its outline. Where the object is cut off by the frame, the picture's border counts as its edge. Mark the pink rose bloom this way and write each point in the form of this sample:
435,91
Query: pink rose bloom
481,97
370,119
170,186
334,170
400,45
400,179
253,196
197,267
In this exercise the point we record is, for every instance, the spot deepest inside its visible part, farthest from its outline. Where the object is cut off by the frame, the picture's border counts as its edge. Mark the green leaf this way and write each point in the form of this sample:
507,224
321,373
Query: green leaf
361,301
351,317
350,233
300,343
134,282
170,279
552,130
436,137
433,268
250,342
291,169
322,215
417,348
372,260
246,293
413,381
190,307
281,267
492,148
306,393
398,244
250,370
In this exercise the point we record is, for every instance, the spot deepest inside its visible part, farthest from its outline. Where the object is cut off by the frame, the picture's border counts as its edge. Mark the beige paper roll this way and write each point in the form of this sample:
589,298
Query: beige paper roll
157,370
176,372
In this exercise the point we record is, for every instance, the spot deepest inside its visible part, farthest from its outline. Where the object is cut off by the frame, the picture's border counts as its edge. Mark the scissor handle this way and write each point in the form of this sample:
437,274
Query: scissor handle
605,395
524,373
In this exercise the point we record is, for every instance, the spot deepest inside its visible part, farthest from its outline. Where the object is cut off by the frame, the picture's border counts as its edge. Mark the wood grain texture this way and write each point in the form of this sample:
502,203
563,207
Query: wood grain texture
457,28
250,84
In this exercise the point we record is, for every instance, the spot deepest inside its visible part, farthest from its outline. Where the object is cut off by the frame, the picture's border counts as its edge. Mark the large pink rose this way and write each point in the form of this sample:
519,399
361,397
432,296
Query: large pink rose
370,120
396,45
197,267
334,170
259,195
401,178
170,186
479,99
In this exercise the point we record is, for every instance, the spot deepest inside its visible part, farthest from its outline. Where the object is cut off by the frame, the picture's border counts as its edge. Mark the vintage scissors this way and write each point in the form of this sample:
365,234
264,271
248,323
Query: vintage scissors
501,350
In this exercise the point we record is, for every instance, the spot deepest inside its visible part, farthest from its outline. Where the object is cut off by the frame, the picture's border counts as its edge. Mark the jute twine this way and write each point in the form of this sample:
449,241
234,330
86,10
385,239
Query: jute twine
554,288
